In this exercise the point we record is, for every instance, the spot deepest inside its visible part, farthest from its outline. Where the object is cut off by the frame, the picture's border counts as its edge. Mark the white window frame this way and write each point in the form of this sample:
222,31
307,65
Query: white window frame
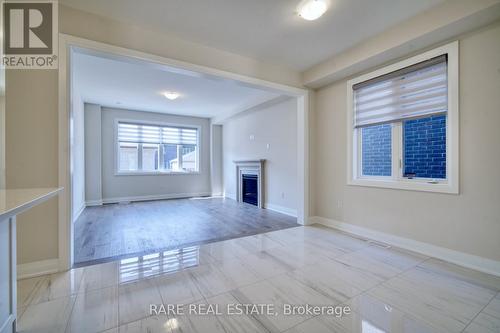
139,162
396,180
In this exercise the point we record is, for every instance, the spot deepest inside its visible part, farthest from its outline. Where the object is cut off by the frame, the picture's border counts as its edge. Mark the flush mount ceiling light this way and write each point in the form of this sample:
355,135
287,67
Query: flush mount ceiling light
171,95
311,10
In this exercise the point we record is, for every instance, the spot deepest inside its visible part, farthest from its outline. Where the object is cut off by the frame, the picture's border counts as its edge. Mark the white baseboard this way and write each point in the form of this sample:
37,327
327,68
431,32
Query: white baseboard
230,195
92,203
155,197
37,268
281,209
276,208
459,258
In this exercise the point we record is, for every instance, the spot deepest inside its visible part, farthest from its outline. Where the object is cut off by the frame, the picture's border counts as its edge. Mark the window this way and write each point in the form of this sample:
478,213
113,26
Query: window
144,148
403,124
424,143
129,156
150,157
376,148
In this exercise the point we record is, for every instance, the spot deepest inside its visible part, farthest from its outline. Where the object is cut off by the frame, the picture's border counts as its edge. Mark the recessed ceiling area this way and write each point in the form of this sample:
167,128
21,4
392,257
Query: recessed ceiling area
268,30
142,86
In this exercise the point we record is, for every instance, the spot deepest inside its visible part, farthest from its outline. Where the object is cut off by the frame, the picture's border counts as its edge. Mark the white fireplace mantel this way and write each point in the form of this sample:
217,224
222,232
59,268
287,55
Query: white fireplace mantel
252,167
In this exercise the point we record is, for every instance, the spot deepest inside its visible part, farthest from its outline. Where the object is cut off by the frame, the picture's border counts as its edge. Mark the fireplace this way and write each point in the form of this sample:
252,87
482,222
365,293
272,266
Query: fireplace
250,182
250,189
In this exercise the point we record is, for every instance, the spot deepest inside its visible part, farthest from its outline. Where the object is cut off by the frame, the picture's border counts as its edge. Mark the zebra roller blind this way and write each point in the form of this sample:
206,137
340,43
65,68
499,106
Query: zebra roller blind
412,92
141,133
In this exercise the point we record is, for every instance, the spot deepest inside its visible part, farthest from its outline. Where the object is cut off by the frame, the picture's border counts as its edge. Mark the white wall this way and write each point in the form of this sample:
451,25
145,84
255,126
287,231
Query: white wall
275,125
93,163
217,164
468,222
121,188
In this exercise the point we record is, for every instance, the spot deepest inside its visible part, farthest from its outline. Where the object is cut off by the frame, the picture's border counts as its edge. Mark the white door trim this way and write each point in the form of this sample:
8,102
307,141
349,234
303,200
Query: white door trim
68,43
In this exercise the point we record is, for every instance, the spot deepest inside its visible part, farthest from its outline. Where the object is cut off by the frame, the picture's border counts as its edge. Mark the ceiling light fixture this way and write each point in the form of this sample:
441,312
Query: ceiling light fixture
171,95
311,10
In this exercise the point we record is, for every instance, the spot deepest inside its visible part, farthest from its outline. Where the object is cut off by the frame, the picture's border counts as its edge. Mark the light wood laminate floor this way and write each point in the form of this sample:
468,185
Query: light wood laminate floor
117,231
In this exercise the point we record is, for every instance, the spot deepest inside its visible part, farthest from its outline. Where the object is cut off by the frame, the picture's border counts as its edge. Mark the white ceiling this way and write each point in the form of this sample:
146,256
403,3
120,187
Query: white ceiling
139,86
268,30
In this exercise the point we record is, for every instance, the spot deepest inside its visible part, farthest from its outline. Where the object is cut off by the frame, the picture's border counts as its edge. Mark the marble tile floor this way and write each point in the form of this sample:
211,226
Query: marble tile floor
387,289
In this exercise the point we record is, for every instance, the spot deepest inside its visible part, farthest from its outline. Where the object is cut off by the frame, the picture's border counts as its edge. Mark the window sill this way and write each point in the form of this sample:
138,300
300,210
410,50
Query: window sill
155,173
409,185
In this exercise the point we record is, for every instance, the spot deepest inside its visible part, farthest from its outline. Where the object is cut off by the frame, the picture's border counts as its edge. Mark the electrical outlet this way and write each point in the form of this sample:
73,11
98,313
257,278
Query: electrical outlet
268,146
252,137
339,203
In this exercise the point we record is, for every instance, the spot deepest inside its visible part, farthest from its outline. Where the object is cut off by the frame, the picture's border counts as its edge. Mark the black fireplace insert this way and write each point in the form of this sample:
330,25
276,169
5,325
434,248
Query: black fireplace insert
250,189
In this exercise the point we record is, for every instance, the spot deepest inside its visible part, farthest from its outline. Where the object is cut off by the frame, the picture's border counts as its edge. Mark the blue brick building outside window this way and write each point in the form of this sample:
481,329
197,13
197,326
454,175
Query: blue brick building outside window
424,148
376,150
424,143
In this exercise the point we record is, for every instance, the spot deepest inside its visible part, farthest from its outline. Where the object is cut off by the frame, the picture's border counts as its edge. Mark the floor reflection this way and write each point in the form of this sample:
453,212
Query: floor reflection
136,268
367,327
376,316
171,324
